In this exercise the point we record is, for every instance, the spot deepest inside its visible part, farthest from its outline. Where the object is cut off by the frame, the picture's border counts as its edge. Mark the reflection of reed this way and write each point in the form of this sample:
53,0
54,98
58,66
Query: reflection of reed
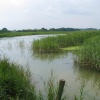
48,56
9,46
90,77
22,44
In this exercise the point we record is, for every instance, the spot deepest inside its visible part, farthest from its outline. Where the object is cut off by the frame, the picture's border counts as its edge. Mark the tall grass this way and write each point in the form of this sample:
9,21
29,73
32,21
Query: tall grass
89,54
46,45
53,44
15,83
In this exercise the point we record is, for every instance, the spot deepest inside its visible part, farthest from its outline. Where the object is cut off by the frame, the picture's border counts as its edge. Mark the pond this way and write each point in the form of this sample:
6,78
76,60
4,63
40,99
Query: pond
18,49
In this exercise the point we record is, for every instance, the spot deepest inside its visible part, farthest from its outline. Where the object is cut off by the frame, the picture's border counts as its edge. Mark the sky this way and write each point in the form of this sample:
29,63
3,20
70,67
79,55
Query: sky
36,14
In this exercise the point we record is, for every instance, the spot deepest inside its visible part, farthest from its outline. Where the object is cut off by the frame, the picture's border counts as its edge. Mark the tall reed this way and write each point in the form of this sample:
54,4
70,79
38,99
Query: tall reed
53,44
89,54
46,45
15,83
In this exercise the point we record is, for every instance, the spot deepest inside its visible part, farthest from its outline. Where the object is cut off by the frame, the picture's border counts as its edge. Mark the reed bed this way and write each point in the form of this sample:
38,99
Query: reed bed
46,45
54,44
89,54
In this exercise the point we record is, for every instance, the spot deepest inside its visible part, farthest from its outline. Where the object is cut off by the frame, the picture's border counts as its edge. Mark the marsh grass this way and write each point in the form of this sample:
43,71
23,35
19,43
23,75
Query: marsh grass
89,54
15,83
54,44
46,45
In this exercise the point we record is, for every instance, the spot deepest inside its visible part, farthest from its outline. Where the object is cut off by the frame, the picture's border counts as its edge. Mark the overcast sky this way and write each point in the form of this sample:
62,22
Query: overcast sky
31,14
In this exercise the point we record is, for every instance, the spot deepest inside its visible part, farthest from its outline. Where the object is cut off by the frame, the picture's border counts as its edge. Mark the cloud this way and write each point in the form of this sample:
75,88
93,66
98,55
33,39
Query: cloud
18,14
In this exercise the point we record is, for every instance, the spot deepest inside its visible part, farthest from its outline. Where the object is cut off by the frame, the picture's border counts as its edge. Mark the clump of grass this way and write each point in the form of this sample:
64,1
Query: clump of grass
46,45
51,88
15,83
89,54
82,93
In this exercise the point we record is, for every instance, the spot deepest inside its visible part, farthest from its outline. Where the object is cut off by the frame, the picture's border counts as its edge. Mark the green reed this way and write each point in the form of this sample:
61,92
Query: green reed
46,45
54,44
89,54
15,83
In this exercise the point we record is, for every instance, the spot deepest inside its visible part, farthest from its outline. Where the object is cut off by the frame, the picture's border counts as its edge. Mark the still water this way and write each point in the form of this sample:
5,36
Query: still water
18,49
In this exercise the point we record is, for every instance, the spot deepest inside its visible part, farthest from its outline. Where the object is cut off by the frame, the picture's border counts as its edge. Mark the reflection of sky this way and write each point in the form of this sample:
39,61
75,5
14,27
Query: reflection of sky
18,49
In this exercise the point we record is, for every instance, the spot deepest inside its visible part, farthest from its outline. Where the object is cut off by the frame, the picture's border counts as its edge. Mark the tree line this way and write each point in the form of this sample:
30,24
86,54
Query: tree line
51,29
5,30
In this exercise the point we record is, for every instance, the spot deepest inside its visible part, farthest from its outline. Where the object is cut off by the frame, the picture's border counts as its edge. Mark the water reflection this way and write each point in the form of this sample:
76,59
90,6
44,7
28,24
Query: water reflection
48,56
9,46
21,44
91,79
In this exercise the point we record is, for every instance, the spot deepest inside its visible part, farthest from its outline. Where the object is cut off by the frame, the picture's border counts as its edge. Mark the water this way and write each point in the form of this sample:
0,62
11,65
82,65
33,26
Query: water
18,49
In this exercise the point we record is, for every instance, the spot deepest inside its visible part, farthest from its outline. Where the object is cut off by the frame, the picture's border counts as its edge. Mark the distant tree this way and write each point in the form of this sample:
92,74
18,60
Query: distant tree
52,29
43,29
4,30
